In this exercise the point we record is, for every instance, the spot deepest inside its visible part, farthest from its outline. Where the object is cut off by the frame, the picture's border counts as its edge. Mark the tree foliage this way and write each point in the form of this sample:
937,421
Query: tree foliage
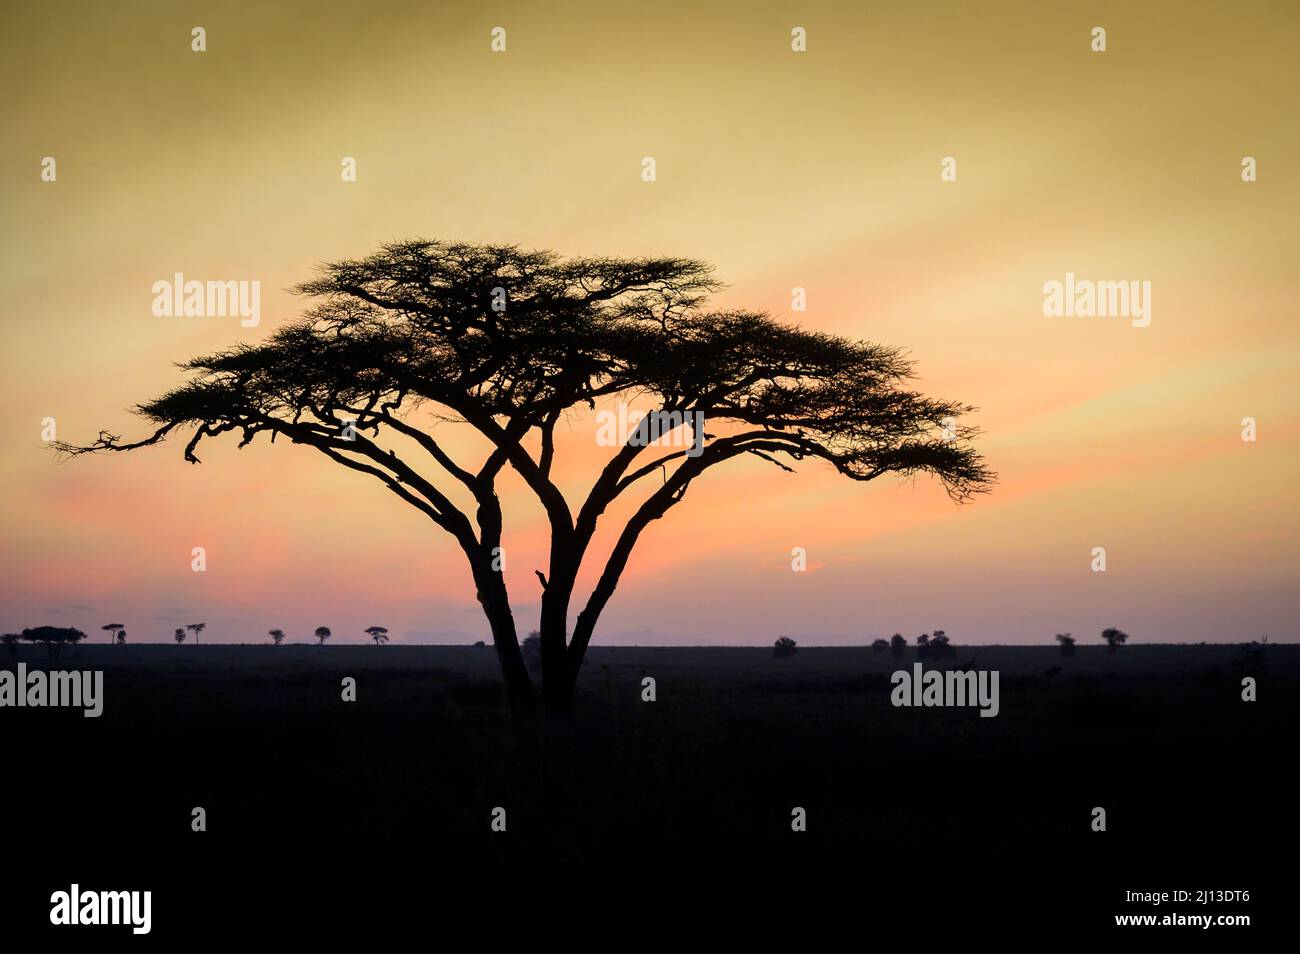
1114,638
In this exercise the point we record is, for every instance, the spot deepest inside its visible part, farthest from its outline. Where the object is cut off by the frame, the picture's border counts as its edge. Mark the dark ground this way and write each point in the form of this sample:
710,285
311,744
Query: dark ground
655,821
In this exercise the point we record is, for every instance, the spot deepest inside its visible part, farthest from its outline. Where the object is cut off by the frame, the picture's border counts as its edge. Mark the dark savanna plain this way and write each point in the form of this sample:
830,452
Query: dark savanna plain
323,813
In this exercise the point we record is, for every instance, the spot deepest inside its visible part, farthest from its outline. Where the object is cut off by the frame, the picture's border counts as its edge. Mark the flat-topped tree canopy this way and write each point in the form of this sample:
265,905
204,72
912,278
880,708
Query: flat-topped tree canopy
54,638
507,341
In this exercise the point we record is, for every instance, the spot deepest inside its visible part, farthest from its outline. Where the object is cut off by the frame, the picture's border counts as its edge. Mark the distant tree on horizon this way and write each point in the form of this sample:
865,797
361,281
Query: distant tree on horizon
897,644
1067,643
112,629
378,633
121,637
277,636
179,636
506,342
323,633
880,645
196,628
53,638
531,650
1115,638
784,646
940,647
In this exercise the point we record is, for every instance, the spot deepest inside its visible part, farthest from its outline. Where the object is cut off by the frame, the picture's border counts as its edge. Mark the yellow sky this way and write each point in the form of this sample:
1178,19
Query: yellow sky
817,169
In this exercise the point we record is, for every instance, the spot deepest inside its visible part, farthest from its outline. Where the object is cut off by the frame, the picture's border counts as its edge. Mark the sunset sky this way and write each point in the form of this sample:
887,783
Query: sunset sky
817,169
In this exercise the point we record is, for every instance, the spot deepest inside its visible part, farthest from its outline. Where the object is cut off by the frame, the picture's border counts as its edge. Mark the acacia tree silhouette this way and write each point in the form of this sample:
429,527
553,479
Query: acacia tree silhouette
507,341
54,638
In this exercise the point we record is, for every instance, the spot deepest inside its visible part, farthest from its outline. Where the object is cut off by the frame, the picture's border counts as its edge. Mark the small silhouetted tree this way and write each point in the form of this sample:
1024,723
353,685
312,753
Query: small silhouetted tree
112,629
1067,643
784,646
531,648
121,637
196,628
277,636
1115,638
940,647
507,342
922,645
897,644
53,638
378,633
880,645
179,636
323,633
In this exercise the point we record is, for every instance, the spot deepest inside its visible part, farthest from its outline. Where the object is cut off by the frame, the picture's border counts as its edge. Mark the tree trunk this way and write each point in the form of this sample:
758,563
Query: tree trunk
559,685
558,681
557,689
496,607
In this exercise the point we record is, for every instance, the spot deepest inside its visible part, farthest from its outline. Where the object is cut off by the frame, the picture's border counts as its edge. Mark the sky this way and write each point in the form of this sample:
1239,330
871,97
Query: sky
819,169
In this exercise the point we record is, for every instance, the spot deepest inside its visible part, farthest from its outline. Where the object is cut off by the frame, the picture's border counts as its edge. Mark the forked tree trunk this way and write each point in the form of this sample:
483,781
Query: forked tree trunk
560,666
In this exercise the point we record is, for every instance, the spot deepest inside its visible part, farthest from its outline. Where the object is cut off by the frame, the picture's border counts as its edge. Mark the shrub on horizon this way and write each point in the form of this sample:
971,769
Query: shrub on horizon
940,648
531,648
784,646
